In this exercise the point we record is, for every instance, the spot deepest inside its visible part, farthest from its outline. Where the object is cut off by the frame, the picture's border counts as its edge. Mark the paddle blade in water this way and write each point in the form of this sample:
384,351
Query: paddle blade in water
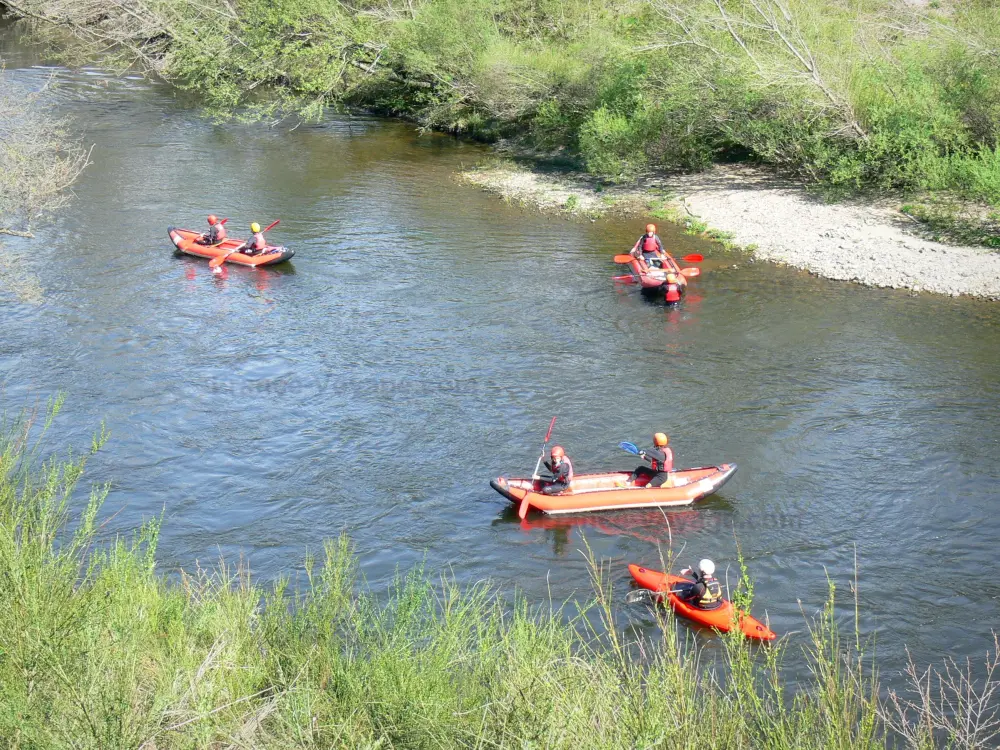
629,448
626,279
522,510
693,258
690,272
623,259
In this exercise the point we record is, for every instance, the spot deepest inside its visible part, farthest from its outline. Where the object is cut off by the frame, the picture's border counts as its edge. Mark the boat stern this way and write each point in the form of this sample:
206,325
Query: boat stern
501,485
727,472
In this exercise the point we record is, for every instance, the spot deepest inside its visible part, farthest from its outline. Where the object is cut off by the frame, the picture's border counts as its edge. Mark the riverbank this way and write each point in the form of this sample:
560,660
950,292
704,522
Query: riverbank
778,220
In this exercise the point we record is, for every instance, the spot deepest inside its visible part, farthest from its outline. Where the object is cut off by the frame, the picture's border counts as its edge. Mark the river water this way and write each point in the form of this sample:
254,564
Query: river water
421,340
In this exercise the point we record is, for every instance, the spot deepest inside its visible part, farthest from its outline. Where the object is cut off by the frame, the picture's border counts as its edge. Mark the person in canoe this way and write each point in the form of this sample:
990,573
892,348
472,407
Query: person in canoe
674,288
649,248
562,471
256,244
216,233
705,591
661,462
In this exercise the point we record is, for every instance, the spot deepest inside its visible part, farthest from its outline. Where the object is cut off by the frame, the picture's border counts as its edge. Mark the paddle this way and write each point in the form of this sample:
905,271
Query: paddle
645,595
690,272
629,447
219,260
522,510
693,258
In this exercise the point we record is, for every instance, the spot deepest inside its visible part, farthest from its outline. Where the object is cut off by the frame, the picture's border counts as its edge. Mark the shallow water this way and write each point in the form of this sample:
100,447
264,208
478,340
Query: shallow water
424,335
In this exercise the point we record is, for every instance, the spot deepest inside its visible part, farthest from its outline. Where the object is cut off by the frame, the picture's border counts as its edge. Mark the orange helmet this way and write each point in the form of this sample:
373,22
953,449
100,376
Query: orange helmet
557,451
651,229
660,440
213,220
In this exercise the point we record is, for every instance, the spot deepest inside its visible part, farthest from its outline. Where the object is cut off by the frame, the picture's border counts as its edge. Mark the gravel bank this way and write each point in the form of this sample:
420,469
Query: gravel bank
864,243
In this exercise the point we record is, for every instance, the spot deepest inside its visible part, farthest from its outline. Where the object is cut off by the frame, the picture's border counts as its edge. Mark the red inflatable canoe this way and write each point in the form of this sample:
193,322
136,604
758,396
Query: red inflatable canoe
184,241
608,491
723,618
651,279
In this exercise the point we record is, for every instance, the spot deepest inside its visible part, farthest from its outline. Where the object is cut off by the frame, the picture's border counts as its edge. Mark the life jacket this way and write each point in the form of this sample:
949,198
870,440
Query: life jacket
216,234
673,292
650,244
256,243
712,597
666,465
567,466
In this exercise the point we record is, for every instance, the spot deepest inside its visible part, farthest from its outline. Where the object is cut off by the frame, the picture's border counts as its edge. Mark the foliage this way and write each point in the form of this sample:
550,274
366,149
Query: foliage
39,160
97,650
869,95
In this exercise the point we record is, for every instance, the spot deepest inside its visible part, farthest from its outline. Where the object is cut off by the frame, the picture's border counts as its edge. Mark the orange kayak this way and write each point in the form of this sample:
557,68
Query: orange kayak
608,491
723,618
653,277
184,241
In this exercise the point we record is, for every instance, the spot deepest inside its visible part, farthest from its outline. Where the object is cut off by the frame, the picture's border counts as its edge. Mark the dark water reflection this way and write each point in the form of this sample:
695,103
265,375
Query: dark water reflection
424,335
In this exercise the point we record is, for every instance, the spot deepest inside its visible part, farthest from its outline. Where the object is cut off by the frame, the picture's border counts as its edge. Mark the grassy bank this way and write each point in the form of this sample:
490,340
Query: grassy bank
873,94
98,650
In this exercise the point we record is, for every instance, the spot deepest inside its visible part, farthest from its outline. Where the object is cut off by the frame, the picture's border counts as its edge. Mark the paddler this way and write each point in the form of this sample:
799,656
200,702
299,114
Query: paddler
674,289
661,460
562,471
705,592
256,244
649,247
216,232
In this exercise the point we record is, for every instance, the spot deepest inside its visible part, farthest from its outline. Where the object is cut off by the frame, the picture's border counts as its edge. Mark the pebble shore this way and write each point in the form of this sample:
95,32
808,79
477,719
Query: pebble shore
780,221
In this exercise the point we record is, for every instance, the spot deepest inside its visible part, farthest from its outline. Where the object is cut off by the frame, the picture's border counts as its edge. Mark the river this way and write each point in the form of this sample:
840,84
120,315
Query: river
421,340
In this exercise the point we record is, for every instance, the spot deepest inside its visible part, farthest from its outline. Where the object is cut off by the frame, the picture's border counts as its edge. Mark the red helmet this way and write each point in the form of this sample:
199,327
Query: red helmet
557,451
651,229
213,220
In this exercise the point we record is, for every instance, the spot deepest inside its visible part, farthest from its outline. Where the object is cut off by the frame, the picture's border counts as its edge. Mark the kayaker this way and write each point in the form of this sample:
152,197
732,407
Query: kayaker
649,247
674,289
661,460
256,244
562,471
705,592
216,232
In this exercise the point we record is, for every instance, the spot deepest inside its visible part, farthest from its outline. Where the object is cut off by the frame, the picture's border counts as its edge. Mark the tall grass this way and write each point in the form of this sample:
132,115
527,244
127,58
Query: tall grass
99,651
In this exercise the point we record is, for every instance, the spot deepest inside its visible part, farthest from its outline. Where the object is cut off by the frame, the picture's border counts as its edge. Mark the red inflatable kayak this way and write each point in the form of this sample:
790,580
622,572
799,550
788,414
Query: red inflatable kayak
184,241
650,279
609,491
723,618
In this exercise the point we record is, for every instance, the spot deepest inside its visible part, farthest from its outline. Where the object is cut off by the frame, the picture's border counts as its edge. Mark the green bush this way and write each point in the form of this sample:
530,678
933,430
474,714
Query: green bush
872,95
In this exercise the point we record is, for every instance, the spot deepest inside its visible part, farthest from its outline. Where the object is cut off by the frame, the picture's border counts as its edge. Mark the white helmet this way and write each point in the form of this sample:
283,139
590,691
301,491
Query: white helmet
707,567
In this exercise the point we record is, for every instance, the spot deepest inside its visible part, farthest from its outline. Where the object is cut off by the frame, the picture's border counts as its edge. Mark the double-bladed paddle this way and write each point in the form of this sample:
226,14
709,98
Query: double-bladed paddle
219,260
629,447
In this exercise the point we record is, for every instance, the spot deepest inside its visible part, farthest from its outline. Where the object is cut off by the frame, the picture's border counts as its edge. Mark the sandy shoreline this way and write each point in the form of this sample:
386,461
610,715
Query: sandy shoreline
869,244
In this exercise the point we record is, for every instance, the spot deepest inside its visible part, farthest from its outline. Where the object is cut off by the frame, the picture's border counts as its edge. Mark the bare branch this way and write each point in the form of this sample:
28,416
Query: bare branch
39,161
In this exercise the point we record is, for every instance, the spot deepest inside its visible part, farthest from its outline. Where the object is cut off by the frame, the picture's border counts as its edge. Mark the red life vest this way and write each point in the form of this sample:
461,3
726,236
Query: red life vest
216,233
668,463
256,243
650,244
569,468
673,293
